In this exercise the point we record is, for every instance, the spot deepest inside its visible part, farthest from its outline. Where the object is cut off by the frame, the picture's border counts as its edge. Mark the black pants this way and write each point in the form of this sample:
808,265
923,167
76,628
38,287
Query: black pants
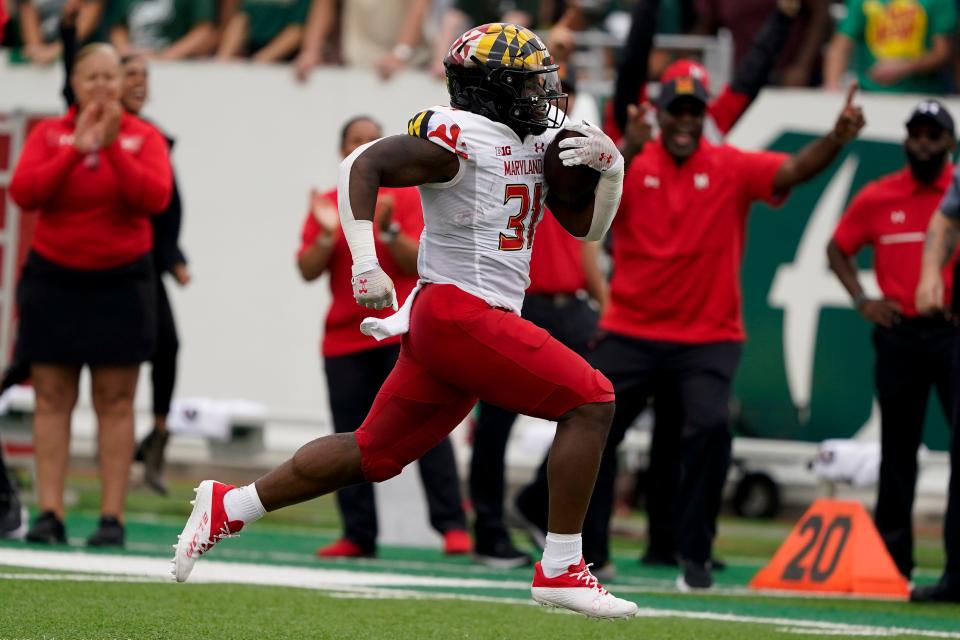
693,428
570,320
353,382
912,358
163,373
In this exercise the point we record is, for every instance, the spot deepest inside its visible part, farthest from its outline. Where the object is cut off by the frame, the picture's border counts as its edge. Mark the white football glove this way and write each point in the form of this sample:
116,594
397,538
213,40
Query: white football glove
373,288
593,149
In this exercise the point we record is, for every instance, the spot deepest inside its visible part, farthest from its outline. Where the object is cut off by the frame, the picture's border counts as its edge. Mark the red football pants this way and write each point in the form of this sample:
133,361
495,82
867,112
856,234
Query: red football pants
459,349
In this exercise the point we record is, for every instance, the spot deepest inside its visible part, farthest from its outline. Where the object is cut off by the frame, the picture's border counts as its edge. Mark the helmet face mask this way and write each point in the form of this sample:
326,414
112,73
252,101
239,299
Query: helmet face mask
539,102
504,72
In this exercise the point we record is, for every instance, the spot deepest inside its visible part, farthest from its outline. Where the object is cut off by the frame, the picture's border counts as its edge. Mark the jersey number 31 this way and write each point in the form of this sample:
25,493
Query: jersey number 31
519,224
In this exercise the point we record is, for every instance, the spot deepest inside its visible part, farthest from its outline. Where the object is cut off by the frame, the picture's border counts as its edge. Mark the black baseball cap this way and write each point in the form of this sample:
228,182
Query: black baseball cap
932,111
681,87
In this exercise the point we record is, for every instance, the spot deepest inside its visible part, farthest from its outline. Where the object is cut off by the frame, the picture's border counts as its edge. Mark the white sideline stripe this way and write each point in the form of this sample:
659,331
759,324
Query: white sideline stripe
326,578
902,238
459,569
351,584
235,572
76,577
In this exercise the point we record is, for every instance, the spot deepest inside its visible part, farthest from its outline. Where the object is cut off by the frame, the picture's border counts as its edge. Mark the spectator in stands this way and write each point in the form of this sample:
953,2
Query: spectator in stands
726,107
386,36
265,30
165,29
167,258
914,353
463,13
576,16
38,22
674,316
356,365
95,176
799,63
901,46
226,9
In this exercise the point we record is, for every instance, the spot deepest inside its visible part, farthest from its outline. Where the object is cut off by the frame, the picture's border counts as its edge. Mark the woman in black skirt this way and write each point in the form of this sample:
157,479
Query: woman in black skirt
87,293
167,257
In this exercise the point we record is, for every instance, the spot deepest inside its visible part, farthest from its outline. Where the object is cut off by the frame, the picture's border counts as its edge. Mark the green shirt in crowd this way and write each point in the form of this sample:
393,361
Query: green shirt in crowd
156,24
898,30
269,17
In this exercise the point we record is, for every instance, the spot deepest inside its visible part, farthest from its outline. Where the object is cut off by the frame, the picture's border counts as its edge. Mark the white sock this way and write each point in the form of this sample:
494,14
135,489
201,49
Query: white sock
243,504
561,551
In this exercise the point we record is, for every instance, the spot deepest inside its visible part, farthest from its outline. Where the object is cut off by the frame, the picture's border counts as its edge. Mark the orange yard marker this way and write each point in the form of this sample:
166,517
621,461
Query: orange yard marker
834,548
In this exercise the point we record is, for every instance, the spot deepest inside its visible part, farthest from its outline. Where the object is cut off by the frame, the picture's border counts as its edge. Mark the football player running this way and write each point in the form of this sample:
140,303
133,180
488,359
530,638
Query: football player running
479,166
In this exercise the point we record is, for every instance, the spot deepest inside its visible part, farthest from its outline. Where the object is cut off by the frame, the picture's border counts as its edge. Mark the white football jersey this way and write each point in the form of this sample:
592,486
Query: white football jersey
479,227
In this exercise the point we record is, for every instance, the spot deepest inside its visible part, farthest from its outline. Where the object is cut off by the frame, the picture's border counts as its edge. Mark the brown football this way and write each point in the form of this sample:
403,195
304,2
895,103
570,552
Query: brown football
571,186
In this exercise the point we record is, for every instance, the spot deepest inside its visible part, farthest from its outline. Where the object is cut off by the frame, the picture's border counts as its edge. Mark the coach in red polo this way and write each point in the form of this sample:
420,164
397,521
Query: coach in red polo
914,352
673,324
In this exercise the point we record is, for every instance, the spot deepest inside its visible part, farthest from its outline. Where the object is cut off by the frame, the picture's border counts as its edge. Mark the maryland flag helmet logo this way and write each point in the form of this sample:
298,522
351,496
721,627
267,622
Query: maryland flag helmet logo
505,72
499,44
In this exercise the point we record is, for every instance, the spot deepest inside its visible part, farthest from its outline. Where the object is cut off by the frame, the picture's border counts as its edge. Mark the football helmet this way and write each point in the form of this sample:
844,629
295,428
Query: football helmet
504,72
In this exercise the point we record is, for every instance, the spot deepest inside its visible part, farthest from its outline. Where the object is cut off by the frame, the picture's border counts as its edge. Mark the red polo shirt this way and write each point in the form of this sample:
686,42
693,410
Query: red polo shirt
891,214
556,265
678,242
341,334
94,209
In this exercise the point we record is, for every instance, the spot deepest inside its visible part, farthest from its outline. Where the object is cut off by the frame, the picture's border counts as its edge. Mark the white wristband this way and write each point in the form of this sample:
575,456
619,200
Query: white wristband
359,233
606,200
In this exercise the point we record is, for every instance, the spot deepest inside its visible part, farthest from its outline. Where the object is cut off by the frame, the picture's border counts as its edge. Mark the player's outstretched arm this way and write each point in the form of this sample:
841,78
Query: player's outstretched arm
816,156
396,161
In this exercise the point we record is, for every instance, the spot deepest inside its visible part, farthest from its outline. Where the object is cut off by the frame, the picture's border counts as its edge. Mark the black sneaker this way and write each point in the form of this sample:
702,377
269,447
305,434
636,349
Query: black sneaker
501,555
940,592
47,529
695,576
13,517
109,533
151,454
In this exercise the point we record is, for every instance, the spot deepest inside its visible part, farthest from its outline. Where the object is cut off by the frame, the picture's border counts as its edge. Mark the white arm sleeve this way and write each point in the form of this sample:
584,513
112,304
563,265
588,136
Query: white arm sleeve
606,199
359,233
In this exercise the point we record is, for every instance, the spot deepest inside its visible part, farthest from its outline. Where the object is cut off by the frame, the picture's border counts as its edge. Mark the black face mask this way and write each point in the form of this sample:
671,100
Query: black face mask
926,170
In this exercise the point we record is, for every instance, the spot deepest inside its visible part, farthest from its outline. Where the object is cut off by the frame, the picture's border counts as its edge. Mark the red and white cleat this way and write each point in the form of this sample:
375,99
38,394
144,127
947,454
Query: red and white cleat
578,590
206,527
